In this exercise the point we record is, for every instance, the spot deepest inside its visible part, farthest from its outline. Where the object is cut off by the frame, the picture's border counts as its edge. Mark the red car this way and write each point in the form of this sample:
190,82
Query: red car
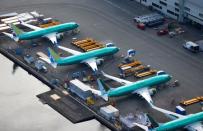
162,32
141,26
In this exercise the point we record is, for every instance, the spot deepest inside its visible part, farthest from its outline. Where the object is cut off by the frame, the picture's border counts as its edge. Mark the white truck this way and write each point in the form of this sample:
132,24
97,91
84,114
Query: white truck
191,46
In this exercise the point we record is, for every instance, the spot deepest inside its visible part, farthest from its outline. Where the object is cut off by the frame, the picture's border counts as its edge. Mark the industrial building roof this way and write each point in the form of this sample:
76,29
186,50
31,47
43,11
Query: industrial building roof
109,109
198,3
80,84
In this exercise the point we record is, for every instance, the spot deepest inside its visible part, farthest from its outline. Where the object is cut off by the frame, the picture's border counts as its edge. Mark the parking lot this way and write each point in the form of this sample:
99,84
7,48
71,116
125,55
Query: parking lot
111,20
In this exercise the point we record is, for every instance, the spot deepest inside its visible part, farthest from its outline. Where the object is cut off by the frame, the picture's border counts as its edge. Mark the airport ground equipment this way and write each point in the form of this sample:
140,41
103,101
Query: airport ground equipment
51,23
146,73
28,59
128,70
180,110
109,112
87,44
192,101
132,64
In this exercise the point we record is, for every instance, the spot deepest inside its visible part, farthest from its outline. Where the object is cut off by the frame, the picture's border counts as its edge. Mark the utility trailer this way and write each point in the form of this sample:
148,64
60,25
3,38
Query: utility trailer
132,64
87,44
146,73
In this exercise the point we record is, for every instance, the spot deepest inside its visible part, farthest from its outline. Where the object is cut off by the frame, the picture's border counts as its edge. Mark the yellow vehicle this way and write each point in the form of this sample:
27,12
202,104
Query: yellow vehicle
90,47
81,41
87,44
192,101
128,71
90,101
49,24
144,74
134,63
140,67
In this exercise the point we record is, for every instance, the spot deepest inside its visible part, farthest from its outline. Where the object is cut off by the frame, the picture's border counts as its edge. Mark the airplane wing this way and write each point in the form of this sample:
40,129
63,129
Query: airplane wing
124,82
170,114
30,26
144,92
92,63
195,127
52,37
74,52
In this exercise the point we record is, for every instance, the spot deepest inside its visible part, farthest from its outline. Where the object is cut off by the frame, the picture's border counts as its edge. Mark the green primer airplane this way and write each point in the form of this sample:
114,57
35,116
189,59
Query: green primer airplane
190,122
140,87
90,58
51,33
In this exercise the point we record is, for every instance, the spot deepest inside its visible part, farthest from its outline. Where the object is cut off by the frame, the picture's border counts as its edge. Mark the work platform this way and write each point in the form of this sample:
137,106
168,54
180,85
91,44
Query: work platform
63,103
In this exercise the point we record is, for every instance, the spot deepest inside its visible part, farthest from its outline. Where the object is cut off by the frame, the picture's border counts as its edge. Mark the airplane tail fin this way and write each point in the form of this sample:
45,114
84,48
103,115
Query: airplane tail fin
103,88
16,30
53,57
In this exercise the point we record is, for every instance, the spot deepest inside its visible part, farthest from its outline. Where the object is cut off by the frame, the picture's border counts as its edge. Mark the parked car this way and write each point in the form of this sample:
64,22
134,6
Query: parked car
162,32
40,66
141,26
28,59
191,46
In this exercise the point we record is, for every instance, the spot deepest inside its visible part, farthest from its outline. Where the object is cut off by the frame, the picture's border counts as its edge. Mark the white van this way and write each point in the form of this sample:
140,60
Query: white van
191,46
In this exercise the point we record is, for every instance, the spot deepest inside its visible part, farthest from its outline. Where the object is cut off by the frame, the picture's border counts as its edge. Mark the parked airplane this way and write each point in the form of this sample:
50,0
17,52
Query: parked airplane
190,122
90,58
139,87
50,32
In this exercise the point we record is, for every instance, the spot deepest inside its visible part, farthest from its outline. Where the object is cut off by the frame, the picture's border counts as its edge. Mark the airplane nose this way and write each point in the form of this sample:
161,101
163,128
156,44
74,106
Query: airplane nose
77,25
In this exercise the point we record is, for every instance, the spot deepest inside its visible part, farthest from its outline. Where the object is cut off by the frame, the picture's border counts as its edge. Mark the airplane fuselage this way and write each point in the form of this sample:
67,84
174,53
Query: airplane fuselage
149,82
180,123
87,55
42,32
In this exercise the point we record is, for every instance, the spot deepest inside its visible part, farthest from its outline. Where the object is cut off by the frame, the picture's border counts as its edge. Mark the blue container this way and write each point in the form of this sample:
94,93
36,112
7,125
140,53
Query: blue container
180,110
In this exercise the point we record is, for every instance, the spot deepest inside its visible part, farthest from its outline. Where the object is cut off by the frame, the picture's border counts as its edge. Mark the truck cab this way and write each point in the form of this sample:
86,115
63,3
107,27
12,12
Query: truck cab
193,47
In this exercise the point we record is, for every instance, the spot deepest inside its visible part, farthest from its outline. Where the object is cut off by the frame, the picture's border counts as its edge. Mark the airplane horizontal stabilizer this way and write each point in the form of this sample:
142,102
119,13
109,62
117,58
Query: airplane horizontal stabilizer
11,36
48,61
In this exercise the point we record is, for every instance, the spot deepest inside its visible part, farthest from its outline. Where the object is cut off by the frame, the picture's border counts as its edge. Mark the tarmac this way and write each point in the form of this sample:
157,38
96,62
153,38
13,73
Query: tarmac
111,21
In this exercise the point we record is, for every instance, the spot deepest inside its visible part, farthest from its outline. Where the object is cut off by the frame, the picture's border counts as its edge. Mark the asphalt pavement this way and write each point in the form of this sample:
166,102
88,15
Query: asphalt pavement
111,20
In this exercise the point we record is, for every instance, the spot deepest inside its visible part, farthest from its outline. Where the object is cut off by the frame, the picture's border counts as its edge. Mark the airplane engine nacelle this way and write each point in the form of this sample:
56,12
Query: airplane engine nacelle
99,61
161,72
59,35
